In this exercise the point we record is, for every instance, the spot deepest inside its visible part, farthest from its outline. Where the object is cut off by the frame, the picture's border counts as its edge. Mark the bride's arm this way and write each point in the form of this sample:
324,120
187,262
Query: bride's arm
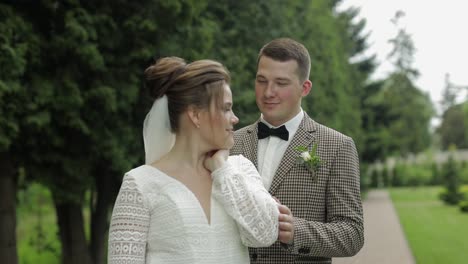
129,225
239,187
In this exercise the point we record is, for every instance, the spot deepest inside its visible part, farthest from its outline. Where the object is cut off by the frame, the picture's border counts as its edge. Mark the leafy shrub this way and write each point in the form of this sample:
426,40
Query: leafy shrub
436,174
463,206
417,175
37,231
451,176
411,175
374,179
365,177
464,190
464,174
451,198
398,174
385,177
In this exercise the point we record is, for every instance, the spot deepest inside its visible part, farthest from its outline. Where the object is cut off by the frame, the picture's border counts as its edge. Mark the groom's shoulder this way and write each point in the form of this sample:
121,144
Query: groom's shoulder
244,130
325,133
240,137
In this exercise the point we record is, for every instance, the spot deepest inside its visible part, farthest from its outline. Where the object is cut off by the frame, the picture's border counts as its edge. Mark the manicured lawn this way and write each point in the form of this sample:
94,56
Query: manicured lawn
37,230
436,233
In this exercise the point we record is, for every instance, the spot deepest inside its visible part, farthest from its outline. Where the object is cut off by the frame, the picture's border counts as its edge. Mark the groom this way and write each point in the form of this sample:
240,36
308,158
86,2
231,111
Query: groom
321,213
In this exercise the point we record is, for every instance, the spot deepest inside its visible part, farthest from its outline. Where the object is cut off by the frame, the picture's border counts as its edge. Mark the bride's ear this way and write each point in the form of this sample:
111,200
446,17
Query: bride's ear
194,115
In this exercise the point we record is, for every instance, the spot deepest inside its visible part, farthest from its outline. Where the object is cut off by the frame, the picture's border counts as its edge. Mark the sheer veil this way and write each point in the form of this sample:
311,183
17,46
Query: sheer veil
157,136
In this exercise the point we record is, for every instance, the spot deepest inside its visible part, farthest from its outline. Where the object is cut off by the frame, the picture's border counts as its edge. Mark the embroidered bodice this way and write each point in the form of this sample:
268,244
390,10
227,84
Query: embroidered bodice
157,219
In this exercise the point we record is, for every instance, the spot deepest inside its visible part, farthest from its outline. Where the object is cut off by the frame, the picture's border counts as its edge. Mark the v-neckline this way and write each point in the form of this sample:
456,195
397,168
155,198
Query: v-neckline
187,189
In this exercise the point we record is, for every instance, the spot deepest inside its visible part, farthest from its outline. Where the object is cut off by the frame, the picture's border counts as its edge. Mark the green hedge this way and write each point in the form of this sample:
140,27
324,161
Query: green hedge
413,175
463,204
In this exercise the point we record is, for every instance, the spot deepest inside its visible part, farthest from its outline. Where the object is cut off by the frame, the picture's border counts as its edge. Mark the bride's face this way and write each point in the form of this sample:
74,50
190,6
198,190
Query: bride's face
219,131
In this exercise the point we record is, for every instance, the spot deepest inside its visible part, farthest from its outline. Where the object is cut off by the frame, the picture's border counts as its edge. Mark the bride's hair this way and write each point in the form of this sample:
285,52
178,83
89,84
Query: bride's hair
197,84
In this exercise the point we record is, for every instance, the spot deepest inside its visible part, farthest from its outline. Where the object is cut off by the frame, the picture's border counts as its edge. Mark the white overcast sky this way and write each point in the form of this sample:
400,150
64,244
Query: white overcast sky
439,30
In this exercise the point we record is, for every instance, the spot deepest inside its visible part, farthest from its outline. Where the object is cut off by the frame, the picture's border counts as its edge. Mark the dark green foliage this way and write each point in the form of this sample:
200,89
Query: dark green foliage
417,175
385,177
451,178
463,206
375,179
464,173
453,129
365,177
450,198
398,176
77,100
393,125
17,51
436,174
37,231
411,175
391,116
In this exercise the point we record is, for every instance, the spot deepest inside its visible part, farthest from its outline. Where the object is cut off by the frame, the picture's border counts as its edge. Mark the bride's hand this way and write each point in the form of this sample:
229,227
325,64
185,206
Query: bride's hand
216,160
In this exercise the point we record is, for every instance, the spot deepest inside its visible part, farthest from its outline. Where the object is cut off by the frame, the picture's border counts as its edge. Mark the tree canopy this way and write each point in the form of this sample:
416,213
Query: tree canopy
396,114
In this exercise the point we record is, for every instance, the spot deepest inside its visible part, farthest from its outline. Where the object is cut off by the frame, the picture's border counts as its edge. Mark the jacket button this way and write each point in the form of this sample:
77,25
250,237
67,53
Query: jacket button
254,256
304,250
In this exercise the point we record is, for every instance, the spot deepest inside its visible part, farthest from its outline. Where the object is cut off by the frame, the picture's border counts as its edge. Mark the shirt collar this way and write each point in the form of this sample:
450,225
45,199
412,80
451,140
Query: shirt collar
292,124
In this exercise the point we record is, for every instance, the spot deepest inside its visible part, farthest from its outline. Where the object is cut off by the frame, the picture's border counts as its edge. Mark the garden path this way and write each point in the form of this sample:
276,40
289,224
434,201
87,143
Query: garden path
385,242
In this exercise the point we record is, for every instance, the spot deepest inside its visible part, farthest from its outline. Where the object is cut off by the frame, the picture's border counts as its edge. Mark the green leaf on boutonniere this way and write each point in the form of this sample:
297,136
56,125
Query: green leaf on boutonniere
309,158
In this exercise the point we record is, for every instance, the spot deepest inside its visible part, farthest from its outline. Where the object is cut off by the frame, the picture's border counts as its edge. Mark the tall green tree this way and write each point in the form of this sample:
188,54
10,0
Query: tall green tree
397,114
450,93
334,99
361,67
17,49
84,89
402,53
452,182
453,129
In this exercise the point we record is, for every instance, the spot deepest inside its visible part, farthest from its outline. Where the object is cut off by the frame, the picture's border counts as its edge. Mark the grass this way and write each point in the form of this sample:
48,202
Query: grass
436,233
37,231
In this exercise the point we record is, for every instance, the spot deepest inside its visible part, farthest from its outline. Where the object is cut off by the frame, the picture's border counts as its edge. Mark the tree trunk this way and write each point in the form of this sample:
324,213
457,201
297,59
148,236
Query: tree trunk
100,215
72,235
8,253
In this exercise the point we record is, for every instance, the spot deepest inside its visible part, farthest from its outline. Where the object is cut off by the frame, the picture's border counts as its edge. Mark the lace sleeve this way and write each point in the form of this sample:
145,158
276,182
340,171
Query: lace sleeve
129,225
239,188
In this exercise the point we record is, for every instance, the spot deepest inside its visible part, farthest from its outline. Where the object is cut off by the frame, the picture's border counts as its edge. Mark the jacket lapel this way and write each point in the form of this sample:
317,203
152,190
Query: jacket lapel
304,137
250,146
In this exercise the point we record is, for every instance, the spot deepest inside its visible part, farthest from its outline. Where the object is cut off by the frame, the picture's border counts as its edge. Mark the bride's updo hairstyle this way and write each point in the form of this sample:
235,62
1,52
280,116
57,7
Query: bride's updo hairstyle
195,84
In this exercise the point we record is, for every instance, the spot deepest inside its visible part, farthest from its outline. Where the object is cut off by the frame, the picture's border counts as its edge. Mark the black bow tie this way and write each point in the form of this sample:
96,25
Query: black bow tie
264,131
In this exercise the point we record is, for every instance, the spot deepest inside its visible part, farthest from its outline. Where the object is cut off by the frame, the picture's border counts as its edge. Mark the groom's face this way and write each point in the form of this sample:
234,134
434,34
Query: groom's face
278,90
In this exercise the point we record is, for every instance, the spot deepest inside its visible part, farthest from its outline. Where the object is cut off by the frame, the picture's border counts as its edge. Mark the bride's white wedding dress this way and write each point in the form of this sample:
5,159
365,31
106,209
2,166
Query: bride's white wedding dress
157,219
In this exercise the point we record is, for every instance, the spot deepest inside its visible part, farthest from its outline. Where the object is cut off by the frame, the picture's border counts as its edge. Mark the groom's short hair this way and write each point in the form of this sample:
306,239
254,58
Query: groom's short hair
284,49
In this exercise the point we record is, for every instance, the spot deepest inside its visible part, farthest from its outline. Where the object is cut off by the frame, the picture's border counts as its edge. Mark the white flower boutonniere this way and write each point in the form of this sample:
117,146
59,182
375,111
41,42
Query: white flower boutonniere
309,159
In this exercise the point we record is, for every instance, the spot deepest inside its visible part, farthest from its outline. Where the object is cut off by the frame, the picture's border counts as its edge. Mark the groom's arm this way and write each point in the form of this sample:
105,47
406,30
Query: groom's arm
343,232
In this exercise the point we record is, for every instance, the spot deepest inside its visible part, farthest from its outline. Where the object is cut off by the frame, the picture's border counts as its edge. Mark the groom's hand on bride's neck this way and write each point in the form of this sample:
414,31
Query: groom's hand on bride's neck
286,225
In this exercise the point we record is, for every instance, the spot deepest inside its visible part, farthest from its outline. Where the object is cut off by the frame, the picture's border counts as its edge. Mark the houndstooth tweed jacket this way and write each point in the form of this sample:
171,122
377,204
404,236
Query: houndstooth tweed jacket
327,209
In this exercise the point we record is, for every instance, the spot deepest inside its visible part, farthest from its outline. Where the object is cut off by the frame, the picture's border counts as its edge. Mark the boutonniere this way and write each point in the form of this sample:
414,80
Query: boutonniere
309,159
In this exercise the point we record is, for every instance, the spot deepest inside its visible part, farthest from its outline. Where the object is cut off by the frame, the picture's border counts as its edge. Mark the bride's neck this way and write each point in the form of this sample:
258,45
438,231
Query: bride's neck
186,153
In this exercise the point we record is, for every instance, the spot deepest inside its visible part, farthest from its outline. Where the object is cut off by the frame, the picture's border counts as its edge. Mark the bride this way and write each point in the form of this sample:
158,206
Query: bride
190,202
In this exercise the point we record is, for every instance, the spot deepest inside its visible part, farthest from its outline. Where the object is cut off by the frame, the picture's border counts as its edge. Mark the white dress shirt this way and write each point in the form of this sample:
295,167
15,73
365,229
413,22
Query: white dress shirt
271,149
